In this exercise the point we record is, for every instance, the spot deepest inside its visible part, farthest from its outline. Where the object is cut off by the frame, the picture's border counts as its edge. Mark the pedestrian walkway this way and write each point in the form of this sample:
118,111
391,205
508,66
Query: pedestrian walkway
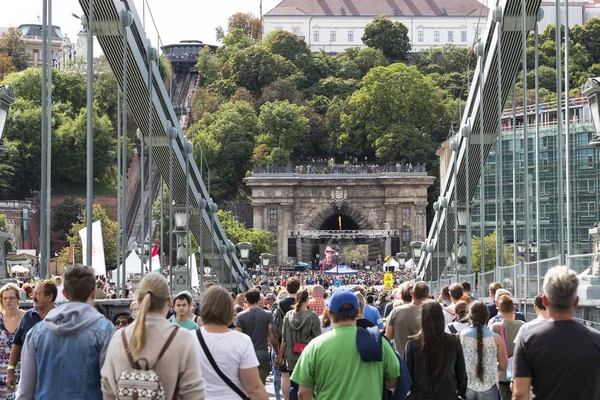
269,386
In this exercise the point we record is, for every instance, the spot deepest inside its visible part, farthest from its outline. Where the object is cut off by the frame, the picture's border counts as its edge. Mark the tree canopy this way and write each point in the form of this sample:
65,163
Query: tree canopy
12,45
390,37
246,22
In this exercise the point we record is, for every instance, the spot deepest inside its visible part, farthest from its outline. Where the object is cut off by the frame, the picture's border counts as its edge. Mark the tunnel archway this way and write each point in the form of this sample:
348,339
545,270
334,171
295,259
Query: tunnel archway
339,221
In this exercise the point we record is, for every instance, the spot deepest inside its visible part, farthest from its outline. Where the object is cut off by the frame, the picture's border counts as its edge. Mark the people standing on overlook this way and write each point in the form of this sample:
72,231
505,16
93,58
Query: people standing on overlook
10,317
179,366
44,295
484,355
435,359
72,339
559,358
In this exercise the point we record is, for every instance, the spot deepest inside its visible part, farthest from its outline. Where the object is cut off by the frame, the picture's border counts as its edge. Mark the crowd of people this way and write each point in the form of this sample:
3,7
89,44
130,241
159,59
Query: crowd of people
351,342
354,169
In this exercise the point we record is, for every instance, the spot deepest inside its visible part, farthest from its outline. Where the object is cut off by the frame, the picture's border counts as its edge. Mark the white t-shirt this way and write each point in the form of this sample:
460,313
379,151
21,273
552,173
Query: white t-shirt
449,313
232,351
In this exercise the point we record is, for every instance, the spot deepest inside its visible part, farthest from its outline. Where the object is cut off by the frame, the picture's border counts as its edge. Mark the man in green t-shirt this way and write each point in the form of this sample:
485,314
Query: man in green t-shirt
182,305
331,366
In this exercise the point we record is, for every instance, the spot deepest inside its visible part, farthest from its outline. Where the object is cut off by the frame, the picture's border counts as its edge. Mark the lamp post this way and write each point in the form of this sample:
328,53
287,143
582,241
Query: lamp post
265,260
591,89
244,253
401,258
7,97
180,272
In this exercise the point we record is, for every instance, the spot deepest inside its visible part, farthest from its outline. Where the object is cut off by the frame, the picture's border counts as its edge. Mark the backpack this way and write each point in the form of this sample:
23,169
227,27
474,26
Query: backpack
277,317
451,312
139,383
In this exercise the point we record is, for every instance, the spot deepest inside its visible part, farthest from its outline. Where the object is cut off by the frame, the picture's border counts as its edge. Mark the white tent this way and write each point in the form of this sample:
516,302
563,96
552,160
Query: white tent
194,270
17,269
133,264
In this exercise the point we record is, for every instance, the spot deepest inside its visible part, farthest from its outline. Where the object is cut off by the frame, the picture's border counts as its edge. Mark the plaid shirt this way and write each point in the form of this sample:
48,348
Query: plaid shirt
317,304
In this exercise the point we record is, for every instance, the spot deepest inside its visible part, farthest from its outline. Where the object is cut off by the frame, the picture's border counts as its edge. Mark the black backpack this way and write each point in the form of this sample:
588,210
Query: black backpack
277,317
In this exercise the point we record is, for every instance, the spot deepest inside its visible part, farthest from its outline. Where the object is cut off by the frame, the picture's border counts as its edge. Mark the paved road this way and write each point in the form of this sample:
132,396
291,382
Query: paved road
270,388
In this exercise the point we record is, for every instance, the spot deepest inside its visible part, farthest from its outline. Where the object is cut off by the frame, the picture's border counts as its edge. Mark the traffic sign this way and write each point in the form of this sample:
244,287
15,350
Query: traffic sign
388,282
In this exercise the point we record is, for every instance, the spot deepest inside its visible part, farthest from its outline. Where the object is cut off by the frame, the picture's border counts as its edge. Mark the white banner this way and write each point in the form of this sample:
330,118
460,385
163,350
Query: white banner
98,263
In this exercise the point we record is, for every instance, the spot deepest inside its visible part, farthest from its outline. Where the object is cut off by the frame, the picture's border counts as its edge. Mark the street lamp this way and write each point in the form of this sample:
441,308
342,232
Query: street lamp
417,249
265,260
521,247
244,253
591,89
401,258
180,273
7,97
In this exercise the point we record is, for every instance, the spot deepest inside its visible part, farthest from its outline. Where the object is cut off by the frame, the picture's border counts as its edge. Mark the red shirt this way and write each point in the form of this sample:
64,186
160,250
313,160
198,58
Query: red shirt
317,304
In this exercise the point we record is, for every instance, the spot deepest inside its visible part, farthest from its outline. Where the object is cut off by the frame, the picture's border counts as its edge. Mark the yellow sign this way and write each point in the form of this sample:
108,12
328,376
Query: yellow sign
388,282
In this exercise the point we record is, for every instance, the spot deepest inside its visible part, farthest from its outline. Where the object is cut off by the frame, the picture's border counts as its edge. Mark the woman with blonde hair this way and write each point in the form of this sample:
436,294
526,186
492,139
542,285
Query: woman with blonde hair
361,321
171,352
10,317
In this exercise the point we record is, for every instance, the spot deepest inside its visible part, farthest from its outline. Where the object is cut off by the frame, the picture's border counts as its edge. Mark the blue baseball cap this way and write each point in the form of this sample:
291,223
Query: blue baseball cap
342,296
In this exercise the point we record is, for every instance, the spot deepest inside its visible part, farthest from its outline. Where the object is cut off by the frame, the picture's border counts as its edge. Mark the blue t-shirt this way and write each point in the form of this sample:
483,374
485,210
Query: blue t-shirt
28,321
372,314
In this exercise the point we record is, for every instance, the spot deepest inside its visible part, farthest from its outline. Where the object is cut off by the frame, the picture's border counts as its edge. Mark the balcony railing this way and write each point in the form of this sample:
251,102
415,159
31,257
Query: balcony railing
341,169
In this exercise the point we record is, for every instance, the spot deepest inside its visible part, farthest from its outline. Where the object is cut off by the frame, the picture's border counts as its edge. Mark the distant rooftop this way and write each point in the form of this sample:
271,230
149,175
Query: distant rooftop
35,30
456,8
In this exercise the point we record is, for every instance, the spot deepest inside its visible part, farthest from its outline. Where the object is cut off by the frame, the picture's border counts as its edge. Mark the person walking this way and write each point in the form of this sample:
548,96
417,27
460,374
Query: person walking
405,320
559,358
331,366
179,365
231,352
63,354
10,317
507,328
435,359
484,355
300,326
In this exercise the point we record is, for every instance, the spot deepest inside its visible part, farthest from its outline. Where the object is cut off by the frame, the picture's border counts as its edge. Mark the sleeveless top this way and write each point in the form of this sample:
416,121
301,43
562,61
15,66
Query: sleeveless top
468,339
6,342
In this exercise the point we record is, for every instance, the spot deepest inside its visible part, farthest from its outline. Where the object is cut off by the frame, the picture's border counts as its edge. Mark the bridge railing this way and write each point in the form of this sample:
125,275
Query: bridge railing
580,262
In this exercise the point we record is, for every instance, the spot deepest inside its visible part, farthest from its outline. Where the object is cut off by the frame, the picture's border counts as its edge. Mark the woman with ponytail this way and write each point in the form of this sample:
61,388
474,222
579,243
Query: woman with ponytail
178,367
484,355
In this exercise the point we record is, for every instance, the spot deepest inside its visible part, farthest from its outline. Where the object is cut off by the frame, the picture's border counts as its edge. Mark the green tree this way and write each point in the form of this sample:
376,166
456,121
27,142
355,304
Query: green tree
391,95
390,37
109,237
208,67
368,58
237,232
232,43
67,213
286,44
405,144
281,89
226,140
12,44
335,87
70,143
4,228
255,67
247,23
164,68
445,60
203,102
6,65
284,121
489,243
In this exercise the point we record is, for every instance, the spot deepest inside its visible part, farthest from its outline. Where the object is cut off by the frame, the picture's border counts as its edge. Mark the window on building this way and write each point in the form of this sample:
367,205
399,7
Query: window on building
450,37
315,36
589,209
351,36
273,214
406,236
295,30
273,230
583,139
463,36
406,213
292,249
332,36
421,36
436,36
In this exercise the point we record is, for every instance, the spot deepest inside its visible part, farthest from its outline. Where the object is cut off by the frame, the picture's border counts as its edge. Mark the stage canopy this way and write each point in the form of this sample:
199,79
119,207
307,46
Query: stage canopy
341,270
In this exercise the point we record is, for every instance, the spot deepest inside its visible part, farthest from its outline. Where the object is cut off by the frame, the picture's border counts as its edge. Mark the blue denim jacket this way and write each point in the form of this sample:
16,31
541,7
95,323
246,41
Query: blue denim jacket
63,355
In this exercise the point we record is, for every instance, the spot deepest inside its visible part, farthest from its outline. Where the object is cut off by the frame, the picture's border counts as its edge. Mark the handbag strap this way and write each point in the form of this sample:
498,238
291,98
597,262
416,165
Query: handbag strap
212,362
504,340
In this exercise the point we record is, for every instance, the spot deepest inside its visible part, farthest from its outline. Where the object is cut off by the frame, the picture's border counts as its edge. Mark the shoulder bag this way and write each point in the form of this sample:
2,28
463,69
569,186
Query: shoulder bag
212,362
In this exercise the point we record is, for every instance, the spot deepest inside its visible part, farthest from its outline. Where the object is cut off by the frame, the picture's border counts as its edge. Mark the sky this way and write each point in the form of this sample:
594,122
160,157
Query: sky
176,19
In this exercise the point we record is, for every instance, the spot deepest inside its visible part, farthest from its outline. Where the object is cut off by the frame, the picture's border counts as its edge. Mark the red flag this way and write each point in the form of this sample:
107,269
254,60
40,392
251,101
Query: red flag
154,250
71,255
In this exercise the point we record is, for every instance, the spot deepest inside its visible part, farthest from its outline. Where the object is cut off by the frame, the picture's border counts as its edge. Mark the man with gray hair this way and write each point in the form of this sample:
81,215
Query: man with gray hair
558,359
